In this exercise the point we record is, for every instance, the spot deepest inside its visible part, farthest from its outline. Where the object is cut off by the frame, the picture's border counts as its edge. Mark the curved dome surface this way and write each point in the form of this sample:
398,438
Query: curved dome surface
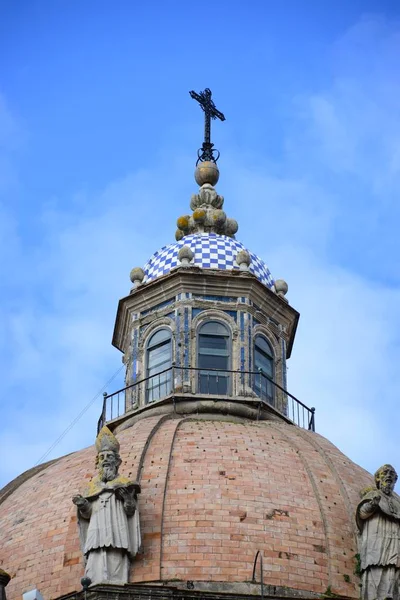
211,251
213,493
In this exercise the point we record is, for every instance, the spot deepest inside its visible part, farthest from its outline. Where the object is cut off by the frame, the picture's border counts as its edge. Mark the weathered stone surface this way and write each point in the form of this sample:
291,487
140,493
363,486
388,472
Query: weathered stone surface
136,276
207,216
378,519
108,516
207,172
243,259
217,295
185,255
281,288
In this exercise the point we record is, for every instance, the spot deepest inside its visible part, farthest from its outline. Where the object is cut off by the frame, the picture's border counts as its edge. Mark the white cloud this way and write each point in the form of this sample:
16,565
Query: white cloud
354,124
327,224
59,311
347,347
344,360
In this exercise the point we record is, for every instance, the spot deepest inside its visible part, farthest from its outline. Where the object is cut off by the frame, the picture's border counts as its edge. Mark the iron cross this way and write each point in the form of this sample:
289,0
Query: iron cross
210,112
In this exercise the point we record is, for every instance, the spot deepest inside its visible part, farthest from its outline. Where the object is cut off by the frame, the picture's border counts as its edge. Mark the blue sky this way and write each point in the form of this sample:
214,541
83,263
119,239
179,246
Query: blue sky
98,140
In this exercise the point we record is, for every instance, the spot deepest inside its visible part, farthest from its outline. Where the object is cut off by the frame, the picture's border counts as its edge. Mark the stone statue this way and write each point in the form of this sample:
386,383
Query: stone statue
378,521
108,517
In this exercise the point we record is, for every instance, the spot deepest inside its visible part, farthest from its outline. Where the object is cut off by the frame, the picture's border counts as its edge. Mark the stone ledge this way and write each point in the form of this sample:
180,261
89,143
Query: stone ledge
191,590
210,407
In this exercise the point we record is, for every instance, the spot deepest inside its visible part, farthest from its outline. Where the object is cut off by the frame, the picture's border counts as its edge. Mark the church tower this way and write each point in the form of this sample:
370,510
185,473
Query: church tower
233,492
205,324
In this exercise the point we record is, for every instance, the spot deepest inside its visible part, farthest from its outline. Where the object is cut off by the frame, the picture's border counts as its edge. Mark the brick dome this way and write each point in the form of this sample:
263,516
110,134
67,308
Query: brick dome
214,491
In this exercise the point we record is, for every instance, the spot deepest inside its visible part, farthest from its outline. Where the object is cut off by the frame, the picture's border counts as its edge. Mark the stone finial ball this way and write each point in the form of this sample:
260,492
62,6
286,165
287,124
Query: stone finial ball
218,217
231,226
137,274
281,287
206,172
183,222
185,254
199,215
179,235
243,258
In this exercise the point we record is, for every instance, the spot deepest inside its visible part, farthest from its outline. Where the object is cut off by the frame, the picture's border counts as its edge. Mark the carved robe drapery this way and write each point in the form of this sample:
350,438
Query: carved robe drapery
109,536
380,546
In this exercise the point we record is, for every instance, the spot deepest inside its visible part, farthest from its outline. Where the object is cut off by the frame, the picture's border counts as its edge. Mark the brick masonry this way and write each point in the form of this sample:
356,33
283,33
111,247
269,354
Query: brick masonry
213,493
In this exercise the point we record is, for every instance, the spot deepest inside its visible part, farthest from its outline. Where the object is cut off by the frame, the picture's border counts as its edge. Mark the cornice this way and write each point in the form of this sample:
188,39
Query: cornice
206,282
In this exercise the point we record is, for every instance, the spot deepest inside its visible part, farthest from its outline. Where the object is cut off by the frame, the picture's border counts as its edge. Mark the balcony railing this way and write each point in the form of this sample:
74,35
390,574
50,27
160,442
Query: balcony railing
187,382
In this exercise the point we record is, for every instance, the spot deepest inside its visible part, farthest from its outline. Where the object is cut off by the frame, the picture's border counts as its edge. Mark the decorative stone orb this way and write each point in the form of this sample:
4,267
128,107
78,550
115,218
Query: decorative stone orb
206,172
218,217
137,275
281,287
243,259
185,255
183,222
179,235
199,215
231,227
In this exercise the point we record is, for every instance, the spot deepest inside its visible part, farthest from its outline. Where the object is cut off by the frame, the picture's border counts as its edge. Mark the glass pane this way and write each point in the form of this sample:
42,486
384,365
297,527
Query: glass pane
212,343
158,368
207,361
264,388
263,345
214,353
160,336
159,359
159,355
214,328
213,383
263,362
158,386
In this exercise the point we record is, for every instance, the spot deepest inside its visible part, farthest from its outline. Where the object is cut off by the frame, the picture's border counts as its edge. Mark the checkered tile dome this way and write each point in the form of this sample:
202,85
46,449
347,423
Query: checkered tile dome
211,251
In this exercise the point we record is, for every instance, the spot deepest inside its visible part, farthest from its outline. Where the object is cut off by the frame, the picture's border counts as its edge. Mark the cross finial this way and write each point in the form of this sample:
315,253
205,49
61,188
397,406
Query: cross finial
206,152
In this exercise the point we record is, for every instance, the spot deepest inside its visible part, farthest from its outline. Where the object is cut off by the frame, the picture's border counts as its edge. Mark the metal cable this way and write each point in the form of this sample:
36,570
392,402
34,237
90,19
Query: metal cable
80,415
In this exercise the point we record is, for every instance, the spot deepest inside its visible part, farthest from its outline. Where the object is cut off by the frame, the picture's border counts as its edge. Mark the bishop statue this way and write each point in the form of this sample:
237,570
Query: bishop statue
108,517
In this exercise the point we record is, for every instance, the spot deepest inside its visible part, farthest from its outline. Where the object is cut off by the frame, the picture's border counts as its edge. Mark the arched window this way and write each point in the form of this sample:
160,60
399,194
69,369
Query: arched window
158,361
264,365
214,354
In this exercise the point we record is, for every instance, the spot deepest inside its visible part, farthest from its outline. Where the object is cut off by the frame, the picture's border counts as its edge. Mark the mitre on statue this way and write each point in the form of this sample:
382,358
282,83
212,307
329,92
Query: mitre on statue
106,440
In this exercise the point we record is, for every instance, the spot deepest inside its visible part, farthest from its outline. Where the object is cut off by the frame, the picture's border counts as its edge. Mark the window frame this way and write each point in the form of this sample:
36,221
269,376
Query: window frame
229,346
167,376
259,390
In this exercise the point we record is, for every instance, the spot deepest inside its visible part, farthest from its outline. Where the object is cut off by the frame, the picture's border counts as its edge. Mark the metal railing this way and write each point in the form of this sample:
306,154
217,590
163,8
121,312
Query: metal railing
190,381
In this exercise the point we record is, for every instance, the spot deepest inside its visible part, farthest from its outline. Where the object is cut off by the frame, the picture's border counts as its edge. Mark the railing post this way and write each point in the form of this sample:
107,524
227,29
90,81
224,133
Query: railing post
174,379
104,407
102,419
311,425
